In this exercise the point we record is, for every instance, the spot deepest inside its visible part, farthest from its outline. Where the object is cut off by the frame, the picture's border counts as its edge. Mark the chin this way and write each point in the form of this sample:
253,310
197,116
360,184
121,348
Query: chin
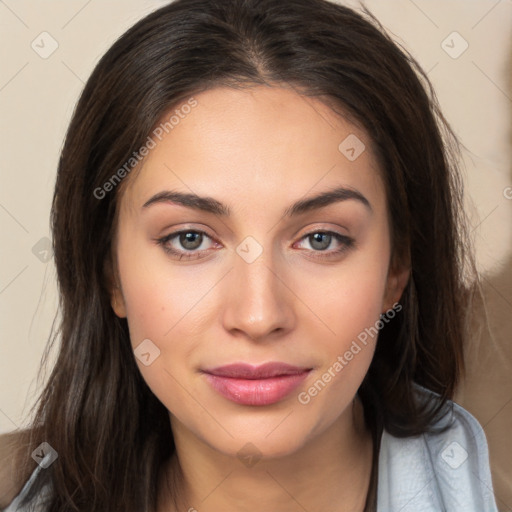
250,449
272,436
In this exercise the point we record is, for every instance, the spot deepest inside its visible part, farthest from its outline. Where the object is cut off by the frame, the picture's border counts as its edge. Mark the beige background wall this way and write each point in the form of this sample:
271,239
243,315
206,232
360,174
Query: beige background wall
38,91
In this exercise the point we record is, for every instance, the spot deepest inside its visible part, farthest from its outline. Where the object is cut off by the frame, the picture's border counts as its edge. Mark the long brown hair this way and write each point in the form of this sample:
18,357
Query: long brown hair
110,431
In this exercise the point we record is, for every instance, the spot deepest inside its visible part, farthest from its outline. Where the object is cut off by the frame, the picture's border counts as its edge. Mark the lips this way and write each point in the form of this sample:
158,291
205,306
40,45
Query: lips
256,385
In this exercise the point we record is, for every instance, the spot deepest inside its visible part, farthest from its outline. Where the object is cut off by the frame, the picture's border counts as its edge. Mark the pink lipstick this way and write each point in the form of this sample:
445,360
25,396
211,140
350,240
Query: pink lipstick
256,385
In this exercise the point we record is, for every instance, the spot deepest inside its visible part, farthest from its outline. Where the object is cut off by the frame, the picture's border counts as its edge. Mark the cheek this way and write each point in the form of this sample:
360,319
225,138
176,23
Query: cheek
351,312
350,309
160,297
162,305
349,298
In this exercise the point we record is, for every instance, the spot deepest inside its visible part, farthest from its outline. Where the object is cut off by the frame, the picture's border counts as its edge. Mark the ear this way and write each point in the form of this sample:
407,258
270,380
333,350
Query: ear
398,276
114,288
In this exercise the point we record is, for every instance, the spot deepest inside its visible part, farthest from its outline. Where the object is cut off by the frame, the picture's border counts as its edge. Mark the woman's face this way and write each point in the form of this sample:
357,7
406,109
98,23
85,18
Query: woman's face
255,280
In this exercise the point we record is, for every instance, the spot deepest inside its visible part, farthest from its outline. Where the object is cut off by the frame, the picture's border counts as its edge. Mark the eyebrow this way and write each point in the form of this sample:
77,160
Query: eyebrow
211,205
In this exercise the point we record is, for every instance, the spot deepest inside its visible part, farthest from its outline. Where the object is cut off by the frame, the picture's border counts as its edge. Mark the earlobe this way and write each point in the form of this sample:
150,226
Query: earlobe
116,293
396,283
117,302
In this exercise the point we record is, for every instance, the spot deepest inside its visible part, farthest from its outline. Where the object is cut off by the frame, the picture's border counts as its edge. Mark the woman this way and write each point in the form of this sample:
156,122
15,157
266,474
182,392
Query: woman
261,254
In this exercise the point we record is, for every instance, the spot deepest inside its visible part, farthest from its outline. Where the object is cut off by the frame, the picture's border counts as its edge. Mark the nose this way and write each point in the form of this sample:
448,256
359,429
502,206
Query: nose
259,303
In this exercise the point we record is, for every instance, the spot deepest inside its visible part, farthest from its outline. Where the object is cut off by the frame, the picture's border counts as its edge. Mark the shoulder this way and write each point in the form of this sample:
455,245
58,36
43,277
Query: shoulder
441,470
12,476
16,476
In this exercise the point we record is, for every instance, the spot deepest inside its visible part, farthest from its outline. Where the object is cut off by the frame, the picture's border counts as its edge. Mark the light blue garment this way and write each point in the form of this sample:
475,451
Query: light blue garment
36,506
445,472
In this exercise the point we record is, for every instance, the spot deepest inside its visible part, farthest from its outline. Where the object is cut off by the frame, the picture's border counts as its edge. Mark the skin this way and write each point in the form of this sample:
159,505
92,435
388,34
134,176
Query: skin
258,150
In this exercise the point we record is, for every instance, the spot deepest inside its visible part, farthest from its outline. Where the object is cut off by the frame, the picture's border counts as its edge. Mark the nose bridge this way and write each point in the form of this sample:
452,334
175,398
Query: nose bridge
257,302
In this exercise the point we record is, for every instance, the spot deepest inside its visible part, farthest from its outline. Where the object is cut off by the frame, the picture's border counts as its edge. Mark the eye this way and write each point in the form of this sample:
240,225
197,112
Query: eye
188,239
321,240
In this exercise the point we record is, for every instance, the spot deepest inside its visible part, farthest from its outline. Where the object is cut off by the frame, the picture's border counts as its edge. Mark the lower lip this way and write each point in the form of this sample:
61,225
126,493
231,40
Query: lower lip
258,391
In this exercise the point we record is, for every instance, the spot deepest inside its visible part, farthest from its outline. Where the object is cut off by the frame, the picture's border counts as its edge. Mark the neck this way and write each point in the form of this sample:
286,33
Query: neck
330,472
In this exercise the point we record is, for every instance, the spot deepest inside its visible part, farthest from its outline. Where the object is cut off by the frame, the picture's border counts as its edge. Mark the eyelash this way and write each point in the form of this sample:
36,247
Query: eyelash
346,244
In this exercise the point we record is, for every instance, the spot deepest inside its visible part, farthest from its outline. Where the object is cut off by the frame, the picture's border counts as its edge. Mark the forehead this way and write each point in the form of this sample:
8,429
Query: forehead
270,143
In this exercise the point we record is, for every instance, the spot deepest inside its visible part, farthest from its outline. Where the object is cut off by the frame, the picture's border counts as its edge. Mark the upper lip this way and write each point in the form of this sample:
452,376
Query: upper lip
248,371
